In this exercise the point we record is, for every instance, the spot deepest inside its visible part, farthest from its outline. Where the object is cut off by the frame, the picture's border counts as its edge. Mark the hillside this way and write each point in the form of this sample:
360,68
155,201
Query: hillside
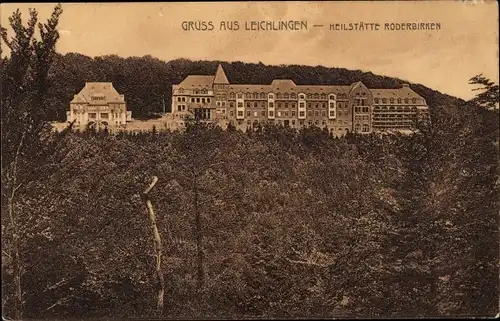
147,81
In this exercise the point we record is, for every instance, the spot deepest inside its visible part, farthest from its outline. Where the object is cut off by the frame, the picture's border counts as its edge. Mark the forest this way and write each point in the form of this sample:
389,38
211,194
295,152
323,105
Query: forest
272,223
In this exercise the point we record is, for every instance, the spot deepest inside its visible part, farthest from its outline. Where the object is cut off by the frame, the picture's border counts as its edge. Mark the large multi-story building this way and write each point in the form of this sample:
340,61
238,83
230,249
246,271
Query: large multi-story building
340,109
98,104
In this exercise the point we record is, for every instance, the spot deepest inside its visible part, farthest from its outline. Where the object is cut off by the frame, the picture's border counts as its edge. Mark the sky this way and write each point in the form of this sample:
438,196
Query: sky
445,59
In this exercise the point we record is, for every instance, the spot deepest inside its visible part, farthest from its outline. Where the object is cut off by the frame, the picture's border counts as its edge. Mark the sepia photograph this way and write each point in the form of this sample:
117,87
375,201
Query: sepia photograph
250,160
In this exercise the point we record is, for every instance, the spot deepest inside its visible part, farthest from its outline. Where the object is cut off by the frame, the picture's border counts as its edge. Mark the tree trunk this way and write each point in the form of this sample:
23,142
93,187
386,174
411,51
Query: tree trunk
16,263
158,247
199,238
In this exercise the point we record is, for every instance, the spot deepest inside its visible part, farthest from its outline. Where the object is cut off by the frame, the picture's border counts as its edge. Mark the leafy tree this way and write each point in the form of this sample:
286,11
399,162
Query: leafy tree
489,95
26,144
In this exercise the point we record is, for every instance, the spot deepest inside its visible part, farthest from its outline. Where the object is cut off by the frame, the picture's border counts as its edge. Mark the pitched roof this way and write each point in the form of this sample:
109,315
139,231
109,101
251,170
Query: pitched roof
404,92
220,76
98,89
197,81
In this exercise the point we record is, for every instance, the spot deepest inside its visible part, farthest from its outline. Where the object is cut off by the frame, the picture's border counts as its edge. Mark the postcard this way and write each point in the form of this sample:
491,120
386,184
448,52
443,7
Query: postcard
250,159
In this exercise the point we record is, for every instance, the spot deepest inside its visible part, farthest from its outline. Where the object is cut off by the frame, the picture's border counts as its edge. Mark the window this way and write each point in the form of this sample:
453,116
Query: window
271,105
293,122
316,96
231,113
279,105
179,108
406,101
399,100
178,99
323,113
255,95
332,113
192,100
248,96
104,115
366,128
293,113
309,96
203,100
240,96
231,104
255,114
224,111
240,113
323,96
376,100
263,113
249,113
286,96
255,104
271,113
302,114
332,105
332,97
414,100
293,96
223,104
279,114
316,113
240,104
286,105
293,105
365,109
391,100
301,96
286,114
340,114
384,101
263,95
208,99
248,104
231,95
302,105
278,96
271,96
196,92
197,100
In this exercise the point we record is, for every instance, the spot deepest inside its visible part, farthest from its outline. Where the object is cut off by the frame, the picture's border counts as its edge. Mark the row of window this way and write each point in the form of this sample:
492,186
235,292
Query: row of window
362,109
398,108
392,100
292,122
202,100
262,95
97,98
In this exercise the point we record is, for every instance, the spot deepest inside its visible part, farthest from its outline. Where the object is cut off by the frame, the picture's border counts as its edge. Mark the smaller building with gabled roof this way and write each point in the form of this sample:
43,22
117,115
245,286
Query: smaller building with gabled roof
98,104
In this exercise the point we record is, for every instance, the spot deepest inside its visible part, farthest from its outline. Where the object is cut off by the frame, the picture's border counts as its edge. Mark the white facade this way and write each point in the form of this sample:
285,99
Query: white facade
98,104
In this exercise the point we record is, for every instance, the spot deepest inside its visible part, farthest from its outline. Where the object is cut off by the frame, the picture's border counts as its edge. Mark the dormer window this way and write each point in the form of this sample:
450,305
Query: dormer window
270,96
414,100
376,100
302,96
392,100
332,97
